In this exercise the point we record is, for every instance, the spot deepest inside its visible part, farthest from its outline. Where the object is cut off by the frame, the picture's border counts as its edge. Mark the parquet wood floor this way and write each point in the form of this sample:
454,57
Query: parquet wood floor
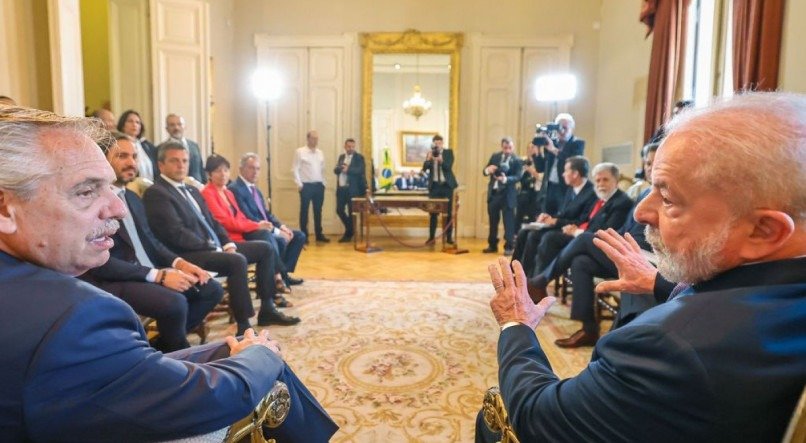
339,261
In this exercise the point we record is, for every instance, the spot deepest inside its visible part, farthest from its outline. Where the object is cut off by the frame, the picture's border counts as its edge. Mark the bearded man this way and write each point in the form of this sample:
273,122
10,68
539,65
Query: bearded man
724,359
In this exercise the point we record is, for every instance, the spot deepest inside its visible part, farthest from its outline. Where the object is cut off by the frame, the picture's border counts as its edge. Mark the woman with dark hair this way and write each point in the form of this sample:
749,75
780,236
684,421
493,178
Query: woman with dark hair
225,210
131,124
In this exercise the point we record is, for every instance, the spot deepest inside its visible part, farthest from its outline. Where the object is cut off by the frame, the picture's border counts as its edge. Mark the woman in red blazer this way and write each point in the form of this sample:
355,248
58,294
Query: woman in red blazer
225,210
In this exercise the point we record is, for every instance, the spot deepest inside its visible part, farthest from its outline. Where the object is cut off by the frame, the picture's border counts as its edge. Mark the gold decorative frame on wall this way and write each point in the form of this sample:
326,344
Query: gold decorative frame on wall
410,41
414,147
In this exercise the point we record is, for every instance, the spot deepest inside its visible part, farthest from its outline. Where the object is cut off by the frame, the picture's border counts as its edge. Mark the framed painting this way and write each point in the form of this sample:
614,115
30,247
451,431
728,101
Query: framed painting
414,147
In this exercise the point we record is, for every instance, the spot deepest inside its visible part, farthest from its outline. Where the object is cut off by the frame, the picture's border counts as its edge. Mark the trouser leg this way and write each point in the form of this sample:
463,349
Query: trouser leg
169,308
318,199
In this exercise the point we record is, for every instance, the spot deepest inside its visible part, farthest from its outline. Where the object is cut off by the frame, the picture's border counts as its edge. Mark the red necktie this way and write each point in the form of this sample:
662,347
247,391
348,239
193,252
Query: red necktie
595,209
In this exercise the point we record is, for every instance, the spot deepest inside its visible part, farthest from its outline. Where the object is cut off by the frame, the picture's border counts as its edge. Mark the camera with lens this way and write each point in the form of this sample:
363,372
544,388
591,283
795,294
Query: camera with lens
543,132
527,161
502,170
434,151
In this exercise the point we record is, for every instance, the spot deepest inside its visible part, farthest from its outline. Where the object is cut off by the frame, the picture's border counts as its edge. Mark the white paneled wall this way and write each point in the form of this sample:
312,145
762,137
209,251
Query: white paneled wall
317,94
67,75
130,61
180,51
502,93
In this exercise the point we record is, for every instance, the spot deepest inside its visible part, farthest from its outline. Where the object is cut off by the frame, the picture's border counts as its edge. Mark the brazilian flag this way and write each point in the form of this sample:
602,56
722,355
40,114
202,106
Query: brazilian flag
385,180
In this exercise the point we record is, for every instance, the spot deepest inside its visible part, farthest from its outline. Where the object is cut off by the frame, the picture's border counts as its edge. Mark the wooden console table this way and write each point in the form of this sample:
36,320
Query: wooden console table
366,210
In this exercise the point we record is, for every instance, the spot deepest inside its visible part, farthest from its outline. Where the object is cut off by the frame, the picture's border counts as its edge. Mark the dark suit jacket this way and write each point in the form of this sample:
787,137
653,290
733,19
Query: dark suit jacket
513,176
573,146
243,195
356,174
413,183
173,220
612,214
77,366
725,363
446,166
151,150
575,210
123,264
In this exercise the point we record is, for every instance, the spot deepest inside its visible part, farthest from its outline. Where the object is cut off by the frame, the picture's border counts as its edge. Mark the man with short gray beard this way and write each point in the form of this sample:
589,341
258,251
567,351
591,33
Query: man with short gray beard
724,359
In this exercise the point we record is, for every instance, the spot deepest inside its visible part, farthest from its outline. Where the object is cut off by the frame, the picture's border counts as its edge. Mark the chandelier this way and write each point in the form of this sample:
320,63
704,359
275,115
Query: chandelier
416,105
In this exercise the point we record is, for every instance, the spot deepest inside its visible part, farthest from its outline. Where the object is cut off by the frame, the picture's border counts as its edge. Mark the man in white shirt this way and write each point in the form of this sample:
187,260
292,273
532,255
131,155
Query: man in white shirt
175,125
308,169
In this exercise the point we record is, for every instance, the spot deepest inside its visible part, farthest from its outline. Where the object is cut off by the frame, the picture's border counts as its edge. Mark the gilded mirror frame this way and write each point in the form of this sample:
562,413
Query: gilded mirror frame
408,42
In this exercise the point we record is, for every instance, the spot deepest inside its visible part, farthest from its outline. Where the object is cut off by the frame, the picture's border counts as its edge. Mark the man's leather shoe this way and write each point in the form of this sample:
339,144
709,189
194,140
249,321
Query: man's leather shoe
490,250
537,288
578,339
346,239
291,281
275,317
322,239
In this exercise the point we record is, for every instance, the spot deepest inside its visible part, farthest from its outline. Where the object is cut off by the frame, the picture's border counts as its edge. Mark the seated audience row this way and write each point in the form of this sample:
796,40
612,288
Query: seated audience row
77,363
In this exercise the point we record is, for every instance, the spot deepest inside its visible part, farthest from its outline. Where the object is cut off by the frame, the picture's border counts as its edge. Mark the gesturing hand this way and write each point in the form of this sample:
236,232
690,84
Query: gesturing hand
511,301
635,273
252,339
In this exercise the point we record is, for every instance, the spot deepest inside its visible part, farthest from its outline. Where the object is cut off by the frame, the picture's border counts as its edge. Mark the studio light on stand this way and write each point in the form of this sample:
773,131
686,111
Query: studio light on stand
266,86
555,88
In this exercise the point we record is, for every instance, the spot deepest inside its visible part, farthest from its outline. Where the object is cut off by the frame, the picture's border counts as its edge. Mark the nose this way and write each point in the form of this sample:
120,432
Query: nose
114,207
647,210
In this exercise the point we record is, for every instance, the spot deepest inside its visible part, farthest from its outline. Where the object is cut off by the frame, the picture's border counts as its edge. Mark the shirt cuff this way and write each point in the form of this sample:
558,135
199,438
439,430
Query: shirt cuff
510,324
276,231
151,277
577,232
173,264
228,245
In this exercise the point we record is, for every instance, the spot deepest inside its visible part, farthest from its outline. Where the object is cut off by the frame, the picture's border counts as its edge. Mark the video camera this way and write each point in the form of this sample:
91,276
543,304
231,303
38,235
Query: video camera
543,132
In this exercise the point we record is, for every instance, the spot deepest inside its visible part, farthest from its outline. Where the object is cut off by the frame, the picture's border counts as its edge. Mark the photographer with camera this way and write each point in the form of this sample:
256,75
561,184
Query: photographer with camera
441,183
528,195
552,154
504,170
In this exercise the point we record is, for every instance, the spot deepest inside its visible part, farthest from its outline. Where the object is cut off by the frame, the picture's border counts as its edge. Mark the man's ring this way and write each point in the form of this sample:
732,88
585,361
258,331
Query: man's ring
498,286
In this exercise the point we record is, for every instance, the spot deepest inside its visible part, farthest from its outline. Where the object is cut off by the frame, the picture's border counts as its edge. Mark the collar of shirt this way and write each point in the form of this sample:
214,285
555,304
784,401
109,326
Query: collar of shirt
175,184
577,189
248,183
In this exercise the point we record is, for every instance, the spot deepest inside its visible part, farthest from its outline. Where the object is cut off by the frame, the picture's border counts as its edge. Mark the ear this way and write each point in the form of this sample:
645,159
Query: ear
770,231
8,224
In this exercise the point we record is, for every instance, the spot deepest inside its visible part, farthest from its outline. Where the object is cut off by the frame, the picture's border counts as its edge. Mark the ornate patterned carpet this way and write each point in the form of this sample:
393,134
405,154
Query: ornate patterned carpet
403,361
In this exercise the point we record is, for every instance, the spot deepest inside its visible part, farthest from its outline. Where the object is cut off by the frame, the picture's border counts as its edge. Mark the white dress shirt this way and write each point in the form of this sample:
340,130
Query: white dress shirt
308,166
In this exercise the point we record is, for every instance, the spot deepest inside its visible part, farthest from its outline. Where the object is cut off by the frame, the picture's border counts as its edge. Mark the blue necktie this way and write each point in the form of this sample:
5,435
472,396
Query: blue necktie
200,216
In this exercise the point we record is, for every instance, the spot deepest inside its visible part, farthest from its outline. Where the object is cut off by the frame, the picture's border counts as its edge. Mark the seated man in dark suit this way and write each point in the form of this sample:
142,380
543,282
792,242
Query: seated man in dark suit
249,198
724,359
179,294
609,210
179,217
586,261
578,197
76,361
406,182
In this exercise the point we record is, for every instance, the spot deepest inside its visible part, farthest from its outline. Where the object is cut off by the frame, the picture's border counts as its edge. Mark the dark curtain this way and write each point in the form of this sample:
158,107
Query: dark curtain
757,28
668,24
